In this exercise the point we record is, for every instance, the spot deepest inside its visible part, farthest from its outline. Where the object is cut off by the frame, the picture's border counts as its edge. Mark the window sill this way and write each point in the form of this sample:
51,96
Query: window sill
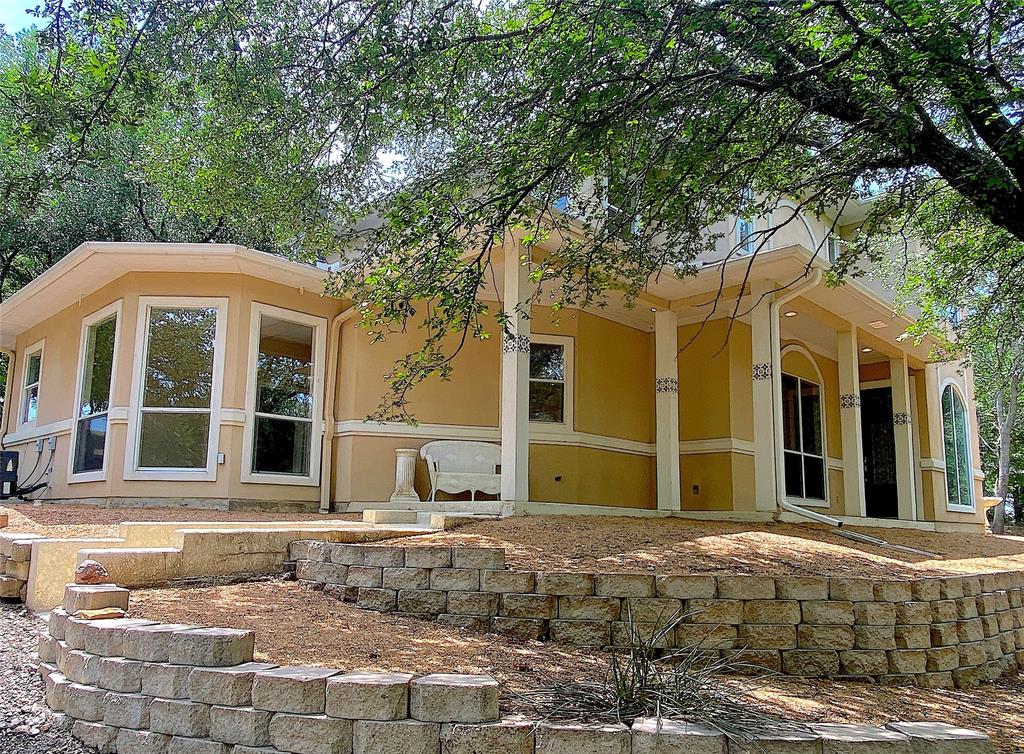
280,479
88,476
171,475
961,509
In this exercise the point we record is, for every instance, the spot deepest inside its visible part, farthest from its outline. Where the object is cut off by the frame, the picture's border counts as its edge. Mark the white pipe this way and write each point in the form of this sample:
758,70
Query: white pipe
813,515
327,449
776,359
8,392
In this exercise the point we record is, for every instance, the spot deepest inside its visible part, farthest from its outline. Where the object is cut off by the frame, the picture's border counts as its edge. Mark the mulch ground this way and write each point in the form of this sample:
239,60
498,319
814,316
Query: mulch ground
295,625
676,545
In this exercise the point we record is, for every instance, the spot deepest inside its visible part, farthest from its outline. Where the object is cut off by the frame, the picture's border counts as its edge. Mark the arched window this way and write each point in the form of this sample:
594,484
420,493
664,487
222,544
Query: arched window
959,481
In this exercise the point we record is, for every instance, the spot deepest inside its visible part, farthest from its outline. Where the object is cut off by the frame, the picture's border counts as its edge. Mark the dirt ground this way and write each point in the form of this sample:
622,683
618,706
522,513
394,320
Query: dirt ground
66,521
624,544
295,625
672,545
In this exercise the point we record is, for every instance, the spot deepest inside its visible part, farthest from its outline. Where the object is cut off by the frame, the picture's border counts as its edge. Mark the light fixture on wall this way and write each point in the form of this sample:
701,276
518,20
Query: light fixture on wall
789,314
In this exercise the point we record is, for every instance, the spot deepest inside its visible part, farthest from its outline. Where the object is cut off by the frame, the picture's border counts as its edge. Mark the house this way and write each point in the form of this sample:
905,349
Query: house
218,375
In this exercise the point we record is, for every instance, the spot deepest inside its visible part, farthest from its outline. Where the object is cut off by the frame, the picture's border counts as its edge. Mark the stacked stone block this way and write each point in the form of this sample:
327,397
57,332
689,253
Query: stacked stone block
15,561
175,689
954,631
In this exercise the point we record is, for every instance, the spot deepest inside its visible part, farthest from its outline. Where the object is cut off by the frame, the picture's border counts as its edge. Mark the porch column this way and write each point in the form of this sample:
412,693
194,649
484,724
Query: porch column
850,425
666,406
931,412
515,382
903,435
762,344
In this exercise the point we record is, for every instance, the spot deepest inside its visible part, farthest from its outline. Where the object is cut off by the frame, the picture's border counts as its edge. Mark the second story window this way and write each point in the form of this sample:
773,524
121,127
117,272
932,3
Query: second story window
746,236
834,246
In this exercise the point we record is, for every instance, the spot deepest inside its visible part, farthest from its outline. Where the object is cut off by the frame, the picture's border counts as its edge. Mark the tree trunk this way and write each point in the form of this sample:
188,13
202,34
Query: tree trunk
1006,413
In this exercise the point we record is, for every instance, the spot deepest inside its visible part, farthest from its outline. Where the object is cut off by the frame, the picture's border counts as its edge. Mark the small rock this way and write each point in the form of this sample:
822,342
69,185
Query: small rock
91,572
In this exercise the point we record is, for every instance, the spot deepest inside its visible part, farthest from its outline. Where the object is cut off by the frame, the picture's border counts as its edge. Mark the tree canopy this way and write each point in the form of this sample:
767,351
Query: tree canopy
451,122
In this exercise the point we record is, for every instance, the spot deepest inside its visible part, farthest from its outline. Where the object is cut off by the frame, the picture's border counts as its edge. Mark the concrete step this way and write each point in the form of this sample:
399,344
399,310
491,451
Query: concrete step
485,507
377,516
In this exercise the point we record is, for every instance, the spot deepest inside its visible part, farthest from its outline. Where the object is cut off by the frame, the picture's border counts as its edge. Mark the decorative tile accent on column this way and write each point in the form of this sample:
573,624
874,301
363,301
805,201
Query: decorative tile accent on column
849,400
900,419
666,385
516,344
762,371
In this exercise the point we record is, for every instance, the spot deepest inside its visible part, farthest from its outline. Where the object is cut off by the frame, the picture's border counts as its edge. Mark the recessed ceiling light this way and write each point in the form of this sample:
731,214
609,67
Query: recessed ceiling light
877,324
866,349
789,314
654,308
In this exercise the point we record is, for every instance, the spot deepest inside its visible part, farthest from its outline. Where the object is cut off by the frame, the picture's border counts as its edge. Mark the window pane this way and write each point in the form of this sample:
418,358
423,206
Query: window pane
810,416
99,360
28,410
790,413
966,476
794,475
89,440
282,446
174,440
546,401
814,478
284,373
32,368
179,364
546,362
949,443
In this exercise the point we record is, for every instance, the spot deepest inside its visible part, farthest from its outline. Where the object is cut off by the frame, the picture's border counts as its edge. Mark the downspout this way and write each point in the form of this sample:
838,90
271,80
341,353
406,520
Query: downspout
8,393
776,356
327,450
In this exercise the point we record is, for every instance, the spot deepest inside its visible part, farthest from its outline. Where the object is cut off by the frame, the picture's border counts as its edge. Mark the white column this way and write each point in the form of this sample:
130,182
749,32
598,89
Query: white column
903,435
850,423
762,347
405,476
515,382
666,406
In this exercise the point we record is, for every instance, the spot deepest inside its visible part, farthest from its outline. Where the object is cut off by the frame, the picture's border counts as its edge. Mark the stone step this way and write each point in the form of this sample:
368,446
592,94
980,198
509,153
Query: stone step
377,516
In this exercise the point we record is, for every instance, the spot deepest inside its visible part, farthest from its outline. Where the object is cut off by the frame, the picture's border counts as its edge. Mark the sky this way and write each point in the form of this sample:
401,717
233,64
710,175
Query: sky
13,15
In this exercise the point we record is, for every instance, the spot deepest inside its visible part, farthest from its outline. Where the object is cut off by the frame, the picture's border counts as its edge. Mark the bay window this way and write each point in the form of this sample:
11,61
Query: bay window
92,404
284,396
177,388
32,374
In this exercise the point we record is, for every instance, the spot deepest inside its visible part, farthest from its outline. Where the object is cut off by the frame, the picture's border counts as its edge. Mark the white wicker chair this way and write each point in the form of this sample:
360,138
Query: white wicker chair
460,465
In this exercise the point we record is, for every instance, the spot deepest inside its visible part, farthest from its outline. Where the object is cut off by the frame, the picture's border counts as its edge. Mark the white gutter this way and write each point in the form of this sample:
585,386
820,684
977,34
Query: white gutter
8,392
327,449
776,362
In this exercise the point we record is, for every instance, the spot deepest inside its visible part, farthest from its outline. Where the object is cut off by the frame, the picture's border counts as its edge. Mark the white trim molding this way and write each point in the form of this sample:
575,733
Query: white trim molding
111,310
30,433
717,445
958,389
315,420
132,448
233,417
360,428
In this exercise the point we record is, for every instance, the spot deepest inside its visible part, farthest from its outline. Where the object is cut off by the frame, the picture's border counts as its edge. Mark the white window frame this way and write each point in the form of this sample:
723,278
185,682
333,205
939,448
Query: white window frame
808,502
131,456
568,354
952,384
751,238
38,347
114,310
319,325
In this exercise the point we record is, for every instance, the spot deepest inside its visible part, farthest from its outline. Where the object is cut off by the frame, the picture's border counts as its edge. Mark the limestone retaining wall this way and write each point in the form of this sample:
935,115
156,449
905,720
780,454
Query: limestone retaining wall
15,564
139,687
932,632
